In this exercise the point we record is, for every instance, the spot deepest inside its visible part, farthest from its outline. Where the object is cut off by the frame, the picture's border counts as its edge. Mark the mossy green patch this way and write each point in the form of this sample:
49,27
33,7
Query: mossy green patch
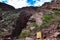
24,34
35,24
56,12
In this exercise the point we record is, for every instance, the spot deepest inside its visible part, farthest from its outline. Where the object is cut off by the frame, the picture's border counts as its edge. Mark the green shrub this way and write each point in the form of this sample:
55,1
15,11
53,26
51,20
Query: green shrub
47,17
56,12
35,24
47,20
56,15
24,34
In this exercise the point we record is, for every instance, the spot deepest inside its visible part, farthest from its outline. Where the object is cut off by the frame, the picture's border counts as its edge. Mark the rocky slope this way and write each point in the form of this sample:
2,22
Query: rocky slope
45,19
6,7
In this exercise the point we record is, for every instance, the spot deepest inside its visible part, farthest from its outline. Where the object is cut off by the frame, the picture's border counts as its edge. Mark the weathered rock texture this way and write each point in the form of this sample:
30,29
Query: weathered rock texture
9,16
52,32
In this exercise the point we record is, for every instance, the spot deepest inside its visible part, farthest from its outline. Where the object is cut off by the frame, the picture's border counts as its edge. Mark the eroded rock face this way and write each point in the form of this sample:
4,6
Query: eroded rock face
54,5
48,32
28,38
52,32
37,18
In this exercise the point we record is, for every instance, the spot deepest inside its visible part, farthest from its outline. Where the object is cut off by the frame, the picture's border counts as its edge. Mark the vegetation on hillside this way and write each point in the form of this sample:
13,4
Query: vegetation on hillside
10,17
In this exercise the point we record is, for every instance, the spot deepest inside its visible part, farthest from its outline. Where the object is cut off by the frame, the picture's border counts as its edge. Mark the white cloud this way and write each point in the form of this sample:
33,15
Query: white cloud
17,3
0,1
23,3
46,0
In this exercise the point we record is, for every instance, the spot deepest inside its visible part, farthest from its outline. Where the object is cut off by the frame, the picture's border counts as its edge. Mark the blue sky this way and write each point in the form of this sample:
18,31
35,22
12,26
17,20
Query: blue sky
32,2
24,3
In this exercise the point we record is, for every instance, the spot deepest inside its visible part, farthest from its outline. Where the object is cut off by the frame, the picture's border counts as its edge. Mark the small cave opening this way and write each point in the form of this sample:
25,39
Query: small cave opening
0,17
58,36
44,35
58,27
